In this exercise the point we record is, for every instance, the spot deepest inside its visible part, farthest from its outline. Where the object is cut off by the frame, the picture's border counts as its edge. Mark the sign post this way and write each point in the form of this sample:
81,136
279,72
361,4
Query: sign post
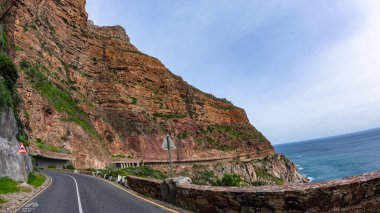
168,144
22,150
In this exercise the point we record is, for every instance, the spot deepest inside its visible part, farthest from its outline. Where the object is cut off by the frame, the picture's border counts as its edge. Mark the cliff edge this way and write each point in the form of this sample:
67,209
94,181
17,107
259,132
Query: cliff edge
93,95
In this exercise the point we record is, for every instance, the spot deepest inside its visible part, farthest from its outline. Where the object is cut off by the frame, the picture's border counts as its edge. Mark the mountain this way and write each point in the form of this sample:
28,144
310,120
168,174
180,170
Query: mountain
91,95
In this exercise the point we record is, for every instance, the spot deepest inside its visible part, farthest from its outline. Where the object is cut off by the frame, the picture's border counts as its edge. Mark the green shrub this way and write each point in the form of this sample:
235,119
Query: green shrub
8,71
36,179
71,167
24,64
51,166
134,100
22,138
40,144
205,178
230,180
8,185
183,135
91,169
5,96
3,39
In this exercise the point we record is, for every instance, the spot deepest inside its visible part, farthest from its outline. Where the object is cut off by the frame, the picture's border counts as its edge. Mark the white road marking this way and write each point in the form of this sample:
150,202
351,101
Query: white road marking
76,185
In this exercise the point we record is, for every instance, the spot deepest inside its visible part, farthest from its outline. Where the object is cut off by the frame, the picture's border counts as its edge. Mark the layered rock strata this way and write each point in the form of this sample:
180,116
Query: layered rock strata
88,90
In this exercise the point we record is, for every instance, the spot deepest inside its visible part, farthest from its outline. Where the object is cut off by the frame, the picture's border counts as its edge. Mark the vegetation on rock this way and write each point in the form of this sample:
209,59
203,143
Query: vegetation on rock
36,179
209,177
42,145
142,171
60,99
71,167
168,116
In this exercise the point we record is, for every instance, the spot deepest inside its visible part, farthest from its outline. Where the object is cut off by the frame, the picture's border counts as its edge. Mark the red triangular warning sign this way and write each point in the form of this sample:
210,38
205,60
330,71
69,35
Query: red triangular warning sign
21,148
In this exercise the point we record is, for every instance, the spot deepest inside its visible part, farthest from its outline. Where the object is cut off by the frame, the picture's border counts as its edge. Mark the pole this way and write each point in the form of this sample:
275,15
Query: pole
170,155
23,167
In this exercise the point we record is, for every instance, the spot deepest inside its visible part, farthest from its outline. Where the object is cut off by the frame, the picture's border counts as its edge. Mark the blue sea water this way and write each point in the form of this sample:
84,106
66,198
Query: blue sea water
335,157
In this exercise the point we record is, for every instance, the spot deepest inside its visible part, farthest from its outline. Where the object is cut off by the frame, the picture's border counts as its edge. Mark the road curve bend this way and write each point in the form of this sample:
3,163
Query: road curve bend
75,193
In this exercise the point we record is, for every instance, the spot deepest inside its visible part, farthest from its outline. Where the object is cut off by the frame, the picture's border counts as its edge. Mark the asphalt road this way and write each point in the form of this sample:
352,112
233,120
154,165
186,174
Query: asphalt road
73,193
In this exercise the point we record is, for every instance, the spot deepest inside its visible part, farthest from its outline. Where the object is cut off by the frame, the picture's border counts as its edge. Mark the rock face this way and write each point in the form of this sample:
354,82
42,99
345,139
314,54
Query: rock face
87,89
271,170
11,161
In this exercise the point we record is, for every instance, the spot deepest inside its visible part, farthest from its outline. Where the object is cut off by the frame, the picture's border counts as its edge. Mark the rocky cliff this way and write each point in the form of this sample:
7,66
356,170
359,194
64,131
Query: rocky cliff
12,164
88,91
270,170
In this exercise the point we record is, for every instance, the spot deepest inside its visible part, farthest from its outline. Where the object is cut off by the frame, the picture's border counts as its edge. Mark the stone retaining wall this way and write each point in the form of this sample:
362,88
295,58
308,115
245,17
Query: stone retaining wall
353,194
146,187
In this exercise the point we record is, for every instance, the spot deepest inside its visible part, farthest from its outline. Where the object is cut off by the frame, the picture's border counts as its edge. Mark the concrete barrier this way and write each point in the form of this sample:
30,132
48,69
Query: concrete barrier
353,194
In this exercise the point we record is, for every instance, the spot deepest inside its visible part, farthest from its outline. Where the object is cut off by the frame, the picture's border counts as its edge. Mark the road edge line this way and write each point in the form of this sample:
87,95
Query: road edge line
78,195
38,193
138,196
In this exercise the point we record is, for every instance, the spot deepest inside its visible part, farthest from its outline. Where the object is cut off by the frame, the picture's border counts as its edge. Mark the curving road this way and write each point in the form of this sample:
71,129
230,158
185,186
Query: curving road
73,193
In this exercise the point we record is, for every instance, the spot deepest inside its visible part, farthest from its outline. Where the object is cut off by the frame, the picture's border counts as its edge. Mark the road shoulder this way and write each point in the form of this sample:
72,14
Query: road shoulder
18,200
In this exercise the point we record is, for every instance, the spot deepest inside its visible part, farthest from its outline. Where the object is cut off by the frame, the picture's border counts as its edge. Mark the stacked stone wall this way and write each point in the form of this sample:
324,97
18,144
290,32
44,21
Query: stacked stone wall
353,194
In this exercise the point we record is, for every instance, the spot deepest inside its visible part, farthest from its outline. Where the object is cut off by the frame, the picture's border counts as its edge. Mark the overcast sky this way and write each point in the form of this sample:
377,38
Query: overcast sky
300,69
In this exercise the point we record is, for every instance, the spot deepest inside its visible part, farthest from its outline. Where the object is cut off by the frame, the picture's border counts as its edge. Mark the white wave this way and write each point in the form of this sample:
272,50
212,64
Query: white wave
311,179
299,156
300,168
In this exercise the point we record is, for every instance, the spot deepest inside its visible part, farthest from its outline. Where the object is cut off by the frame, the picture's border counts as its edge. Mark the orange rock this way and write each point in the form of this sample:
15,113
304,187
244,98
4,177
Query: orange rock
131,99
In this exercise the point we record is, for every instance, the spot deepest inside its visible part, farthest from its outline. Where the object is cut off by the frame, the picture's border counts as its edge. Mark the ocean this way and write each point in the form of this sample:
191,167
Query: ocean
335,157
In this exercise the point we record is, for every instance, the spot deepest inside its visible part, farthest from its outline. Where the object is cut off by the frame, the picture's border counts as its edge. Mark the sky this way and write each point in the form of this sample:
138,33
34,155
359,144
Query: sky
300,69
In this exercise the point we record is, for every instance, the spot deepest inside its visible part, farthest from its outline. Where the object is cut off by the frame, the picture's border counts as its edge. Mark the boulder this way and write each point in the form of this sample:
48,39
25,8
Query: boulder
168,188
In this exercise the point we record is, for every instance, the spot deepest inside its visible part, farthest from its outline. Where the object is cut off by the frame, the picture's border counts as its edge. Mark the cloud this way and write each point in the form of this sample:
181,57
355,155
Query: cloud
301,69
342,95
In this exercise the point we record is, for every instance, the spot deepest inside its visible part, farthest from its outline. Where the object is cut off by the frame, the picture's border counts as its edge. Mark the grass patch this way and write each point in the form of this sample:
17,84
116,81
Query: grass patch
232,107
51,166
61,100
3,200
168,116
238,132
40,144
8,185
142,171
18,48
199,166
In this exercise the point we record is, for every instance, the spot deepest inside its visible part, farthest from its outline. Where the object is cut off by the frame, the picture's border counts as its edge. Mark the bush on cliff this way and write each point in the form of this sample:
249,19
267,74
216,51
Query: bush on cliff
5,96
8,79
8,71
230,180
60,98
